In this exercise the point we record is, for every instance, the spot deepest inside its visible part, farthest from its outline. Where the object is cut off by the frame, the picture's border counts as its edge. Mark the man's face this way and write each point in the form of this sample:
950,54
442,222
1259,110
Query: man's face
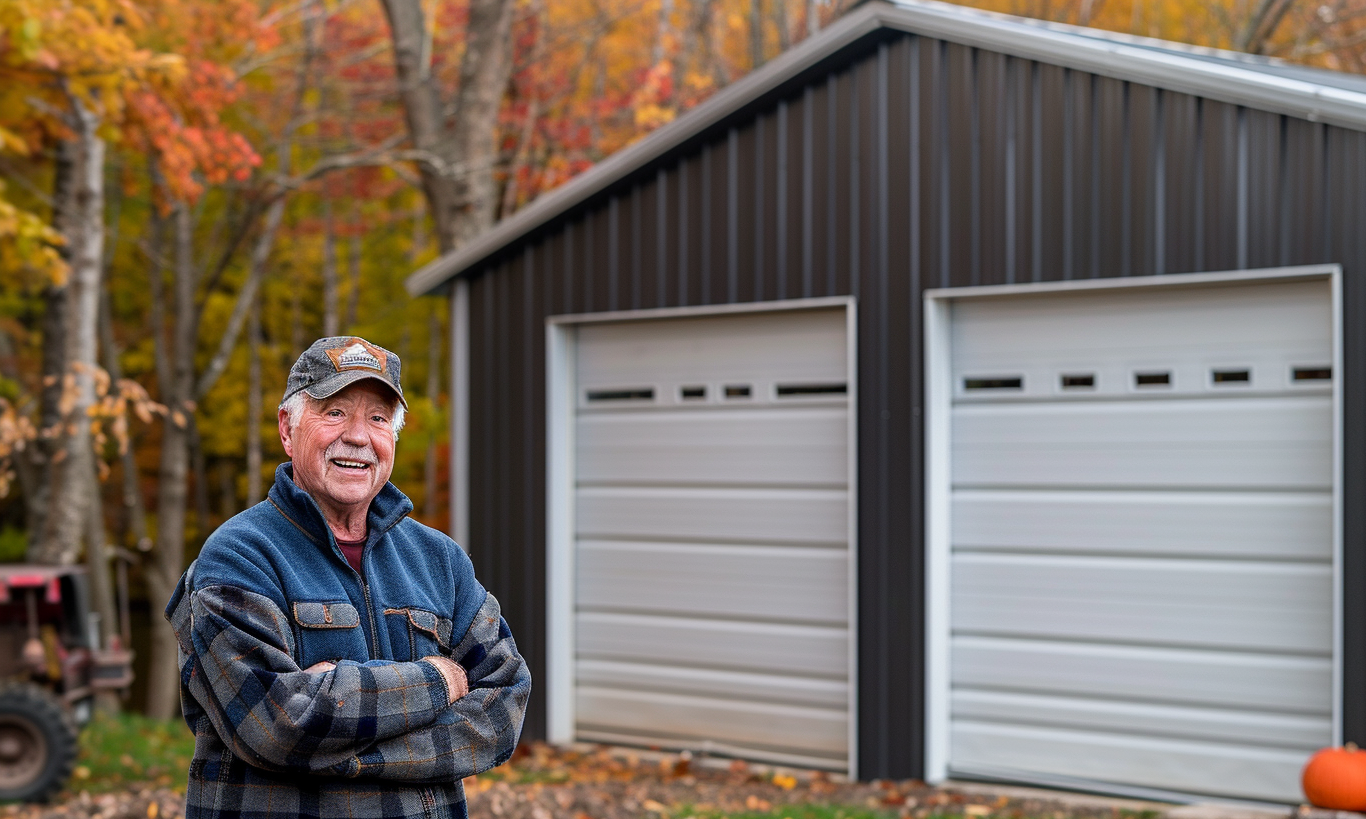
343,447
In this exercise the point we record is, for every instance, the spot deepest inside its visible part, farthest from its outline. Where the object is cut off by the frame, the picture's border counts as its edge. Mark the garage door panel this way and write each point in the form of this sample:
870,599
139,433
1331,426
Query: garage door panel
1271,443
768,583
1270,606
1144,719
1237,321
794,446
1275,683
1256,525
808,516
1197,767
724,719
785,689
781,344
764,582
712,512
747,646
1141,536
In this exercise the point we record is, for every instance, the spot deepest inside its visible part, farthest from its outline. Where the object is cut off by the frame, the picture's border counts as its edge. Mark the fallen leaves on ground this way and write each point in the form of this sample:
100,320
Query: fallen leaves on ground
542,782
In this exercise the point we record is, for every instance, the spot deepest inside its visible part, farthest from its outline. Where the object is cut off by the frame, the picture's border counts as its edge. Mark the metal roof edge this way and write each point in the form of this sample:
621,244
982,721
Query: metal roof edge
972,12
844,32
1232,83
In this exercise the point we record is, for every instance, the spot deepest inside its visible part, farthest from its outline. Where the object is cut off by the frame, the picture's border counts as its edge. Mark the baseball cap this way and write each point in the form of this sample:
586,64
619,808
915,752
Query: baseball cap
331,364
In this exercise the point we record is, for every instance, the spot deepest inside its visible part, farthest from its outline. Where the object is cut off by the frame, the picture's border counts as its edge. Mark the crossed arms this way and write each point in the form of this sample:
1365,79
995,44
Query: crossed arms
432,720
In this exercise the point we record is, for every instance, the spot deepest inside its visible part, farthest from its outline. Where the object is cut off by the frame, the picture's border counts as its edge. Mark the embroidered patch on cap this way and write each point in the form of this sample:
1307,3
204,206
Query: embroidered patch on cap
357,356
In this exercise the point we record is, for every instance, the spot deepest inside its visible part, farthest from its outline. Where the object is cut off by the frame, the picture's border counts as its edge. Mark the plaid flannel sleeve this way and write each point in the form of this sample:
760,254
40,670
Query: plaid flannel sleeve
275,716
481,729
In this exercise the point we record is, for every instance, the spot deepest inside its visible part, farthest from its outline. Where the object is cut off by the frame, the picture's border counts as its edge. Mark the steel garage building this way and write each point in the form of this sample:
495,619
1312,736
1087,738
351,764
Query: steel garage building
953,396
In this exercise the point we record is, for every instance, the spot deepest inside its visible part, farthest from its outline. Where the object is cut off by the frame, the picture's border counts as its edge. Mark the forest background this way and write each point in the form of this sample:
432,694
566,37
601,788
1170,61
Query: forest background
191,191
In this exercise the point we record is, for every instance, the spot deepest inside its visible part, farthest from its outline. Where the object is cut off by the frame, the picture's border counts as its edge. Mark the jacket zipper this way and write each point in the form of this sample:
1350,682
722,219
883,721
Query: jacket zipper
365,592
374,627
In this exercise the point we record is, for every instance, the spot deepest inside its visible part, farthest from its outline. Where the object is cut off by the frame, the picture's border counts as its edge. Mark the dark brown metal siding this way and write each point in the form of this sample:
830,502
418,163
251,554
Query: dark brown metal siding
918,164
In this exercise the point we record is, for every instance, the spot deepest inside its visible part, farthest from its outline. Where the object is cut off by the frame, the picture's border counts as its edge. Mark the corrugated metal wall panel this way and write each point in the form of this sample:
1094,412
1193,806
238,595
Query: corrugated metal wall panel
1155,187
891,571
1216,155
1180,183
1112,219
991,165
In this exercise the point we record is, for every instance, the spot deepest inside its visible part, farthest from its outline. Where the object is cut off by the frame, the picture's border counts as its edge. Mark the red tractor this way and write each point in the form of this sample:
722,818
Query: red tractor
51,666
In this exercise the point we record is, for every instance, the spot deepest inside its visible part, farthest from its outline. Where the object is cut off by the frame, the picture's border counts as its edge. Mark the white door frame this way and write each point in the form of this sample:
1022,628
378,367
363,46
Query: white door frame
561,408
938,479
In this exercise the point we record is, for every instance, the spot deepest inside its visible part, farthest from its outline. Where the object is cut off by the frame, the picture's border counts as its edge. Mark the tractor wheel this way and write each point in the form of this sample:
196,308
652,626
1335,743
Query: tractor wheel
37,743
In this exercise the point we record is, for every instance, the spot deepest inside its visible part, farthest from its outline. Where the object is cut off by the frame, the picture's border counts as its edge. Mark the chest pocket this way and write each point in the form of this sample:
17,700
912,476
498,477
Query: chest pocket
329,631
425,633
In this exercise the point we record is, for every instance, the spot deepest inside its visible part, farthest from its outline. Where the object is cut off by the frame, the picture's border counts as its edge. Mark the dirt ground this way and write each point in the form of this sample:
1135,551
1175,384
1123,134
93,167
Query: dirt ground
604,783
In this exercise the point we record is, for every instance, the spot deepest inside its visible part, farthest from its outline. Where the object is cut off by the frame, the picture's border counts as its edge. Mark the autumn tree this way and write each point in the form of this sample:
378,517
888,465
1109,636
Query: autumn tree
456,139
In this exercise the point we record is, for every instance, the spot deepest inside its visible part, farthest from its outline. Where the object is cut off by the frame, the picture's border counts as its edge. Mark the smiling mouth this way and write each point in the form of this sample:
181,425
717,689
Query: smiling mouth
345,464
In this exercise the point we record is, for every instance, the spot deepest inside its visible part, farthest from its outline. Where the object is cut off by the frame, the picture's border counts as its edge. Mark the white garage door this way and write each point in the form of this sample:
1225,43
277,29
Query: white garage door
1142,537
712,520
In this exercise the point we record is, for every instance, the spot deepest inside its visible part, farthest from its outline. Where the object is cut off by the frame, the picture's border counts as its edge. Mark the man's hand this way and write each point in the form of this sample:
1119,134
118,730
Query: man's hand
454,673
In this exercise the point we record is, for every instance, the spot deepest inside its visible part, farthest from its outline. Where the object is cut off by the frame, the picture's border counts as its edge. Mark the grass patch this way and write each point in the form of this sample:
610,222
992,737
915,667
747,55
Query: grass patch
129,749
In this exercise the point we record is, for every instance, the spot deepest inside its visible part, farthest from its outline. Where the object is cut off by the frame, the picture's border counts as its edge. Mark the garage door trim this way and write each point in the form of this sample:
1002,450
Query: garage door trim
561,405
937,443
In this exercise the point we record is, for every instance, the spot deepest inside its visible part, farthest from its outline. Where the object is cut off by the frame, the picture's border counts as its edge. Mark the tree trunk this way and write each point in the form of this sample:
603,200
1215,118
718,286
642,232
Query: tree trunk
663,32
132,509
254,455
331,319
227,490
353,298
429,468
781,23
296,324
97,561
458,178
71,472
163,685
35,463
1261,26
199,472
756,33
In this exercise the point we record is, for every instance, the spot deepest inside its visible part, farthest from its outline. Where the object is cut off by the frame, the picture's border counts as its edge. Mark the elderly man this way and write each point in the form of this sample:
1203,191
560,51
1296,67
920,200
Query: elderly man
337,657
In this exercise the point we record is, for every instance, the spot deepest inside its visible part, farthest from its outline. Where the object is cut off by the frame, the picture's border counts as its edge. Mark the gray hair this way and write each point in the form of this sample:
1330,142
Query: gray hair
294,408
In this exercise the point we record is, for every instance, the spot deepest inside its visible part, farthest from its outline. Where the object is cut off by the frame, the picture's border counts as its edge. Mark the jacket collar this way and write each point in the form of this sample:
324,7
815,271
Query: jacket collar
388,508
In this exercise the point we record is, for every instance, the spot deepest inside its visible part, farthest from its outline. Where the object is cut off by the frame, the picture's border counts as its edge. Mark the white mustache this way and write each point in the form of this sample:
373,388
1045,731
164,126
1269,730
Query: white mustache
347,452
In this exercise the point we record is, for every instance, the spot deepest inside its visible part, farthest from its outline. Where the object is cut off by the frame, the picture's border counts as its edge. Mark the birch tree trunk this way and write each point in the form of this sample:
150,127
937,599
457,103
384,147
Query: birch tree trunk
71,472
35,463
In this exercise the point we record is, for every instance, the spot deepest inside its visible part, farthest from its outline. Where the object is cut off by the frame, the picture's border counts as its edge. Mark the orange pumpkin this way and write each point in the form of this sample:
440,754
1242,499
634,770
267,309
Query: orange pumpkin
1335,778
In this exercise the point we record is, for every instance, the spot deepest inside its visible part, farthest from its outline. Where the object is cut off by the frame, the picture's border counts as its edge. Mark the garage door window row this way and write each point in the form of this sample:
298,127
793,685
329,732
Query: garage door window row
728,392
1144,380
